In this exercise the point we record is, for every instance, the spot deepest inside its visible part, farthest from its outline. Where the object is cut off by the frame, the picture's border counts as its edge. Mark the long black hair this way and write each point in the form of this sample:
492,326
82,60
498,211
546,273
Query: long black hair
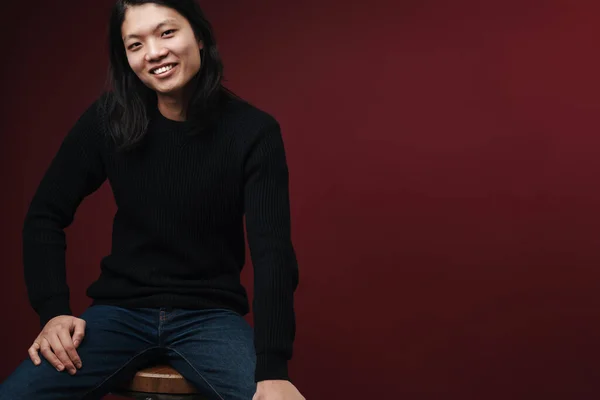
129,101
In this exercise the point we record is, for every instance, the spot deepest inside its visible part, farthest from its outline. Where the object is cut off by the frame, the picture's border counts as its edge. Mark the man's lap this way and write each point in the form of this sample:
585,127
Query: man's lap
211,348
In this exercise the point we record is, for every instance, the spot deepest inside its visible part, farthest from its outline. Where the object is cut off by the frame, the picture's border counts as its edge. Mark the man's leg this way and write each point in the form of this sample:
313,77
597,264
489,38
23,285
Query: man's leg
213,349
117,342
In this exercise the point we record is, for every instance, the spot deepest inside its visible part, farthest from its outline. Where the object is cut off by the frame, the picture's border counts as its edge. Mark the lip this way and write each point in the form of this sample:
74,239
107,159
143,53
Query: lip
166,74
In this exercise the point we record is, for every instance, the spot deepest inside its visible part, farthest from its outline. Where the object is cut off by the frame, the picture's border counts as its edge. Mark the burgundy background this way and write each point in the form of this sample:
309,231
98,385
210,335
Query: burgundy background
443,161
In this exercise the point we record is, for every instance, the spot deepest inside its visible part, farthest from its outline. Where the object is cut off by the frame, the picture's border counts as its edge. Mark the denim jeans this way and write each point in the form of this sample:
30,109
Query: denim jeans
213,349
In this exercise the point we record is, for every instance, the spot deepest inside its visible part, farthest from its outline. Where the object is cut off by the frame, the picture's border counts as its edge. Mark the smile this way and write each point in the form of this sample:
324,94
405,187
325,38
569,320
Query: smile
162,70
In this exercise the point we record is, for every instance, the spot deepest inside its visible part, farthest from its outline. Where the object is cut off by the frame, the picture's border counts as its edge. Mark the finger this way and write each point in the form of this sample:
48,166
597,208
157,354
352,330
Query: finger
67,343
60,352
79,332
33,353
46,351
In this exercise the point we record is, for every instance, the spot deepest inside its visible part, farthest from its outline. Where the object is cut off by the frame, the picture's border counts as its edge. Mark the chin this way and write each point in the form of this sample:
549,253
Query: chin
168,92
171,89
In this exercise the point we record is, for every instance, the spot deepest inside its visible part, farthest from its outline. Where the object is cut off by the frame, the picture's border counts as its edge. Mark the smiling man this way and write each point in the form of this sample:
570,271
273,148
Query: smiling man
187,160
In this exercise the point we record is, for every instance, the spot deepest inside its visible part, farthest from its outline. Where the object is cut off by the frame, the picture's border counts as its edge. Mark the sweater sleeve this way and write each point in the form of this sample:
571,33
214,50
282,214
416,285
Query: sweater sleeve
76,171
268,228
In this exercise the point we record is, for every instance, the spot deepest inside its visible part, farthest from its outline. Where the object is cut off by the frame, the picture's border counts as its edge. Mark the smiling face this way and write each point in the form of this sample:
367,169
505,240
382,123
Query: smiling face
161,48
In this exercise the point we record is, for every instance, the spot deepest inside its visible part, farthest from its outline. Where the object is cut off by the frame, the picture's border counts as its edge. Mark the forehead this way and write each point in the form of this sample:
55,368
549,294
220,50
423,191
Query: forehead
144,18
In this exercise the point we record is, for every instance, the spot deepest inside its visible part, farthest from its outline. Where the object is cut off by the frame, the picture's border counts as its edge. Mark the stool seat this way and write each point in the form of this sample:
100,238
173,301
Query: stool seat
158,382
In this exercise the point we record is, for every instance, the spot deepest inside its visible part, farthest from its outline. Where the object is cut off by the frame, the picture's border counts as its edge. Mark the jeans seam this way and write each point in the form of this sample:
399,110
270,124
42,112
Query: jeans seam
198,372
118,370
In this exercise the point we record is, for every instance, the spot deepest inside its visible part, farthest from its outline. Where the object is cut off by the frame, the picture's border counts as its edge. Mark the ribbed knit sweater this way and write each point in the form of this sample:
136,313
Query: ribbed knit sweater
178,233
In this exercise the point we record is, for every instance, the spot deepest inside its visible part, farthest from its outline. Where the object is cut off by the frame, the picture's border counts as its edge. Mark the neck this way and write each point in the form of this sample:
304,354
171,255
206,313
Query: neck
172,107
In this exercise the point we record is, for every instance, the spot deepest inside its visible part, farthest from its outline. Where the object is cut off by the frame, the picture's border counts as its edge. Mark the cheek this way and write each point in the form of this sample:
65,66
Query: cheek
188,52
194,58
135,63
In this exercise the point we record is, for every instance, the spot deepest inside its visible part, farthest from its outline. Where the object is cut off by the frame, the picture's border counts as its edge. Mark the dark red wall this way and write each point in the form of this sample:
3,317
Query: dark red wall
444,163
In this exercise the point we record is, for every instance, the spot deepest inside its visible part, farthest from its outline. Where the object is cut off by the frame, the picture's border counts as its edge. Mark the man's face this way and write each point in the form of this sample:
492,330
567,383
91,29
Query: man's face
161,47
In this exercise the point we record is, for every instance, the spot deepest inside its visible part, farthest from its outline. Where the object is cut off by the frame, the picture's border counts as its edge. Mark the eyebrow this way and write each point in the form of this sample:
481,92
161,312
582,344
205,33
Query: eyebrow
160,25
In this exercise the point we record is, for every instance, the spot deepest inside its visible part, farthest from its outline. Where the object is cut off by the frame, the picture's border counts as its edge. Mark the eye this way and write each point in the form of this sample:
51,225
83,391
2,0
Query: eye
134,46
168,32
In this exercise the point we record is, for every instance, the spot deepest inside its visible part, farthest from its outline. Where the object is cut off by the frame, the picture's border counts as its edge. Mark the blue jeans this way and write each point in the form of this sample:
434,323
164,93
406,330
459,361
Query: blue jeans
213,349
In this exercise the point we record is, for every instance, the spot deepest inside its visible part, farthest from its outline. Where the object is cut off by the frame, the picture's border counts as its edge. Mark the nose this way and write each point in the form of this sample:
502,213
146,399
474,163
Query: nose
155,51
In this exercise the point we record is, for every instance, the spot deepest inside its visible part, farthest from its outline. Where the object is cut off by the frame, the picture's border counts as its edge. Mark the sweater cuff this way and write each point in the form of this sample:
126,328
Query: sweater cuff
53,307
271,367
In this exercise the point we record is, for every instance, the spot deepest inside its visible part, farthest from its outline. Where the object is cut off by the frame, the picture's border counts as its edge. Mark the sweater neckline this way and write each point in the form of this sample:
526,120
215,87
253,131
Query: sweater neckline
170,124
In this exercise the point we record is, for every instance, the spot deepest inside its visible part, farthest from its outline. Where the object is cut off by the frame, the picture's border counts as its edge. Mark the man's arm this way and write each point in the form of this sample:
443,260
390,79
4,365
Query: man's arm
268,226
75,172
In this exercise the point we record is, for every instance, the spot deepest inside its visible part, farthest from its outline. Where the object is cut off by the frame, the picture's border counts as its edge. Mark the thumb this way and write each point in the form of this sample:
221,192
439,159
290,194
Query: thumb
79,331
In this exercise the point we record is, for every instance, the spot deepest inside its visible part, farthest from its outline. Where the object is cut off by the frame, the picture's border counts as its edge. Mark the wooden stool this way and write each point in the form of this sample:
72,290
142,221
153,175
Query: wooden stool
159,383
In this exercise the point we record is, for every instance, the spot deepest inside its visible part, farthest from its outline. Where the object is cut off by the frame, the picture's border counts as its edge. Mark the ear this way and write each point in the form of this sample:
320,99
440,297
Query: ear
200,45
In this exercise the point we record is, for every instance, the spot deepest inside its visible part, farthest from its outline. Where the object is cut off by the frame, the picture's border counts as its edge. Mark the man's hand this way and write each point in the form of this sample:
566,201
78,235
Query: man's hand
56,344
277,390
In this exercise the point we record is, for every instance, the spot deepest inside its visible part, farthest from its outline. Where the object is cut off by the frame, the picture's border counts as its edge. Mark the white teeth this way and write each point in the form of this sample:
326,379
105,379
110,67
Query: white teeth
162,70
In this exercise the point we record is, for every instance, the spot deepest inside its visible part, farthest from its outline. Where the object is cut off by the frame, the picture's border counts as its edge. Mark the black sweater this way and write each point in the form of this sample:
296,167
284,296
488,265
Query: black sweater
178,234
